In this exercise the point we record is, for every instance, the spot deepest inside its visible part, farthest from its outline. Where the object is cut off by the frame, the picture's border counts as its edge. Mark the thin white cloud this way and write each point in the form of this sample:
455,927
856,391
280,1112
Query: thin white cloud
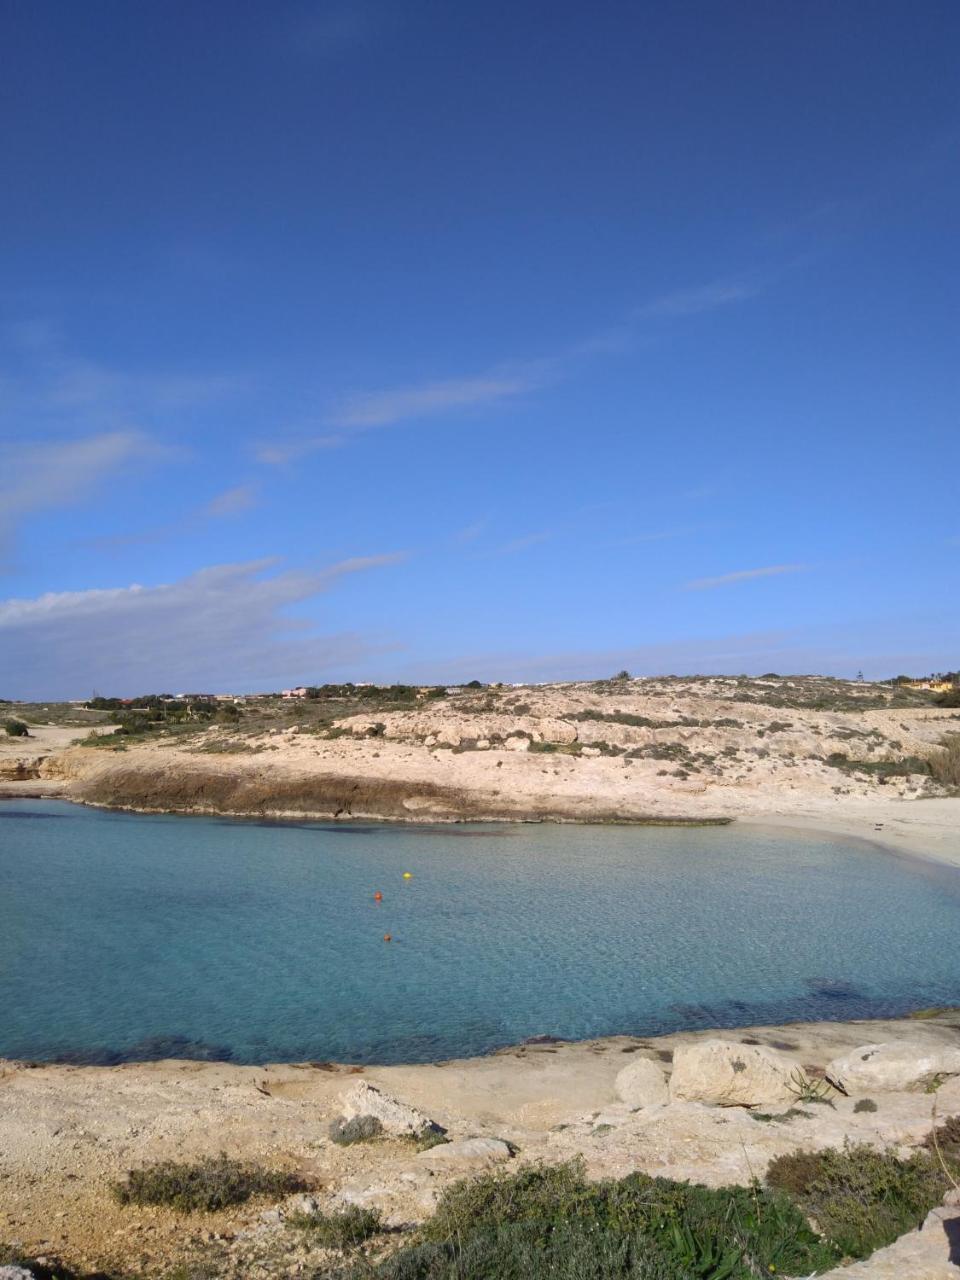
277,453
524,543
695,302
220,627
231,502
37,477
54,389
368,410
743,575
382,408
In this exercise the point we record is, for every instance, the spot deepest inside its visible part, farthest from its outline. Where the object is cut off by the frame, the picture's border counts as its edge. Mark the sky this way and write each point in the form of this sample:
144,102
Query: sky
359,339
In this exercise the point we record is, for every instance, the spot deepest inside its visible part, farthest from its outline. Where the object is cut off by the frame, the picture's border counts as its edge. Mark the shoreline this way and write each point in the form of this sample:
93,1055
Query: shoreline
917,829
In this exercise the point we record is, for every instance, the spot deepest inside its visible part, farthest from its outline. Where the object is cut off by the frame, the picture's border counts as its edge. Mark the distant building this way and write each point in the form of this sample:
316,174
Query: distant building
299,692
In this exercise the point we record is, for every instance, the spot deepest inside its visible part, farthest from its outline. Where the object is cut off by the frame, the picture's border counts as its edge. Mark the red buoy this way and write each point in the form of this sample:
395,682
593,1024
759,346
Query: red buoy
378,896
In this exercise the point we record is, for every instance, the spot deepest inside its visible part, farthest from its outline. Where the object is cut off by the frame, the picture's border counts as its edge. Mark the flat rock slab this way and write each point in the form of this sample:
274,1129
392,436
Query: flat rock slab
472,1151
892,1066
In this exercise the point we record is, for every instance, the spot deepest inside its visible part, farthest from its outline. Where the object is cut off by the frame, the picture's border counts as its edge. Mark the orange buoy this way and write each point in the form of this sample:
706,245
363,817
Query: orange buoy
378,896
388,937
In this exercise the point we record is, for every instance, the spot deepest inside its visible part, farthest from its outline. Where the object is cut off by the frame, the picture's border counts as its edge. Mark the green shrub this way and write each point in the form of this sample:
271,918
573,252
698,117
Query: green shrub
865,1104
550,1222
358,1129
338,1230
207,1185
16,729
862,1199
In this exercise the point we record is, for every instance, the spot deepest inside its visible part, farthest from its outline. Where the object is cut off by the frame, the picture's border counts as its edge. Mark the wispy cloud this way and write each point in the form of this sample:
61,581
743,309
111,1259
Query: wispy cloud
54,387
382,408
697,301
224,625
743,575
231,502
223,506
524,543
38,477
277,453
368,410
506,382
658,535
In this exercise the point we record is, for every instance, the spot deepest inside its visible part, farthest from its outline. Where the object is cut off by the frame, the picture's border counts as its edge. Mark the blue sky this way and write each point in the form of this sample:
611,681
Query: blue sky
431,341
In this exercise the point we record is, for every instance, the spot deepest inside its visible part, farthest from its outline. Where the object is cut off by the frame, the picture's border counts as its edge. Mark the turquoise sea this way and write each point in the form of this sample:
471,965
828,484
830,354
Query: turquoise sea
126,936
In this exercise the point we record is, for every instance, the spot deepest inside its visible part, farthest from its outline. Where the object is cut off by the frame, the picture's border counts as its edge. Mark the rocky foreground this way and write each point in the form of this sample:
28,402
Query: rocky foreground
714,1108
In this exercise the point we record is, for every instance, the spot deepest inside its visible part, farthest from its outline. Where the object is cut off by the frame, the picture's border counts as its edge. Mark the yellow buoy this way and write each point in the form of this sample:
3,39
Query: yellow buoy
408,875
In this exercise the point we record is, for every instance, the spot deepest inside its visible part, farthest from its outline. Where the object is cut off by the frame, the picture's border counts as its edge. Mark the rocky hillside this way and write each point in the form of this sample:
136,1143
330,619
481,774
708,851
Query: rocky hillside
616,750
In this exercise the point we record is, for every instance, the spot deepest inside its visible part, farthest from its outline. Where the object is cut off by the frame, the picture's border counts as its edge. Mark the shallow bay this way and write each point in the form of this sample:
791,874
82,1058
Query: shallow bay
129,936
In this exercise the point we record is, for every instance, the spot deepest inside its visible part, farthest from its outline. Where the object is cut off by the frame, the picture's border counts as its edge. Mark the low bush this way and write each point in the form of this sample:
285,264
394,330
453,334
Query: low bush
15,729
205,1186
945,765
338,1230
881,769
861,1199
865,1104
357,1129
551,1222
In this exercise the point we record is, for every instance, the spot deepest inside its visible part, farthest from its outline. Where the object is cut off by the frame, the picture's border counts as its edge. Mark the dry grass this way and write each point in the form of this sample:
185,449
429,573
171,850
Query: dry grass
945,765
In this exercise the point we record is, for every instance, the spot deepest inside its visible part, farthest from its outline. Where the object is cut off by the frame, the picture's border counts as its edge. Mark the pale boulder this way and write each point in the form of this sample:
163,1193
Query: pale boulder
892,1067
642,1084
561,731
397,1118
728,1074
470,1151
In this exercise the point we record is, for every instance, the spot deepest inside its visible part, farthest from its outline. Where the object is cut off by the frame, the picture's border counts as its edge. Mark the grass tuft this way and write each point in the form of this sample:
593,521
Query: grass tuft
357,1129
341,1230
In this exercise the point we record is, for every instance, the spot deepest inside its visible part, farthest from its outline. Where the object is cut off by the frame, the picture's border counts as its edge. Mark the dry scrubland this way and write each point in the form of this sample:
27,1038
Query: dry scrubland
617,750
